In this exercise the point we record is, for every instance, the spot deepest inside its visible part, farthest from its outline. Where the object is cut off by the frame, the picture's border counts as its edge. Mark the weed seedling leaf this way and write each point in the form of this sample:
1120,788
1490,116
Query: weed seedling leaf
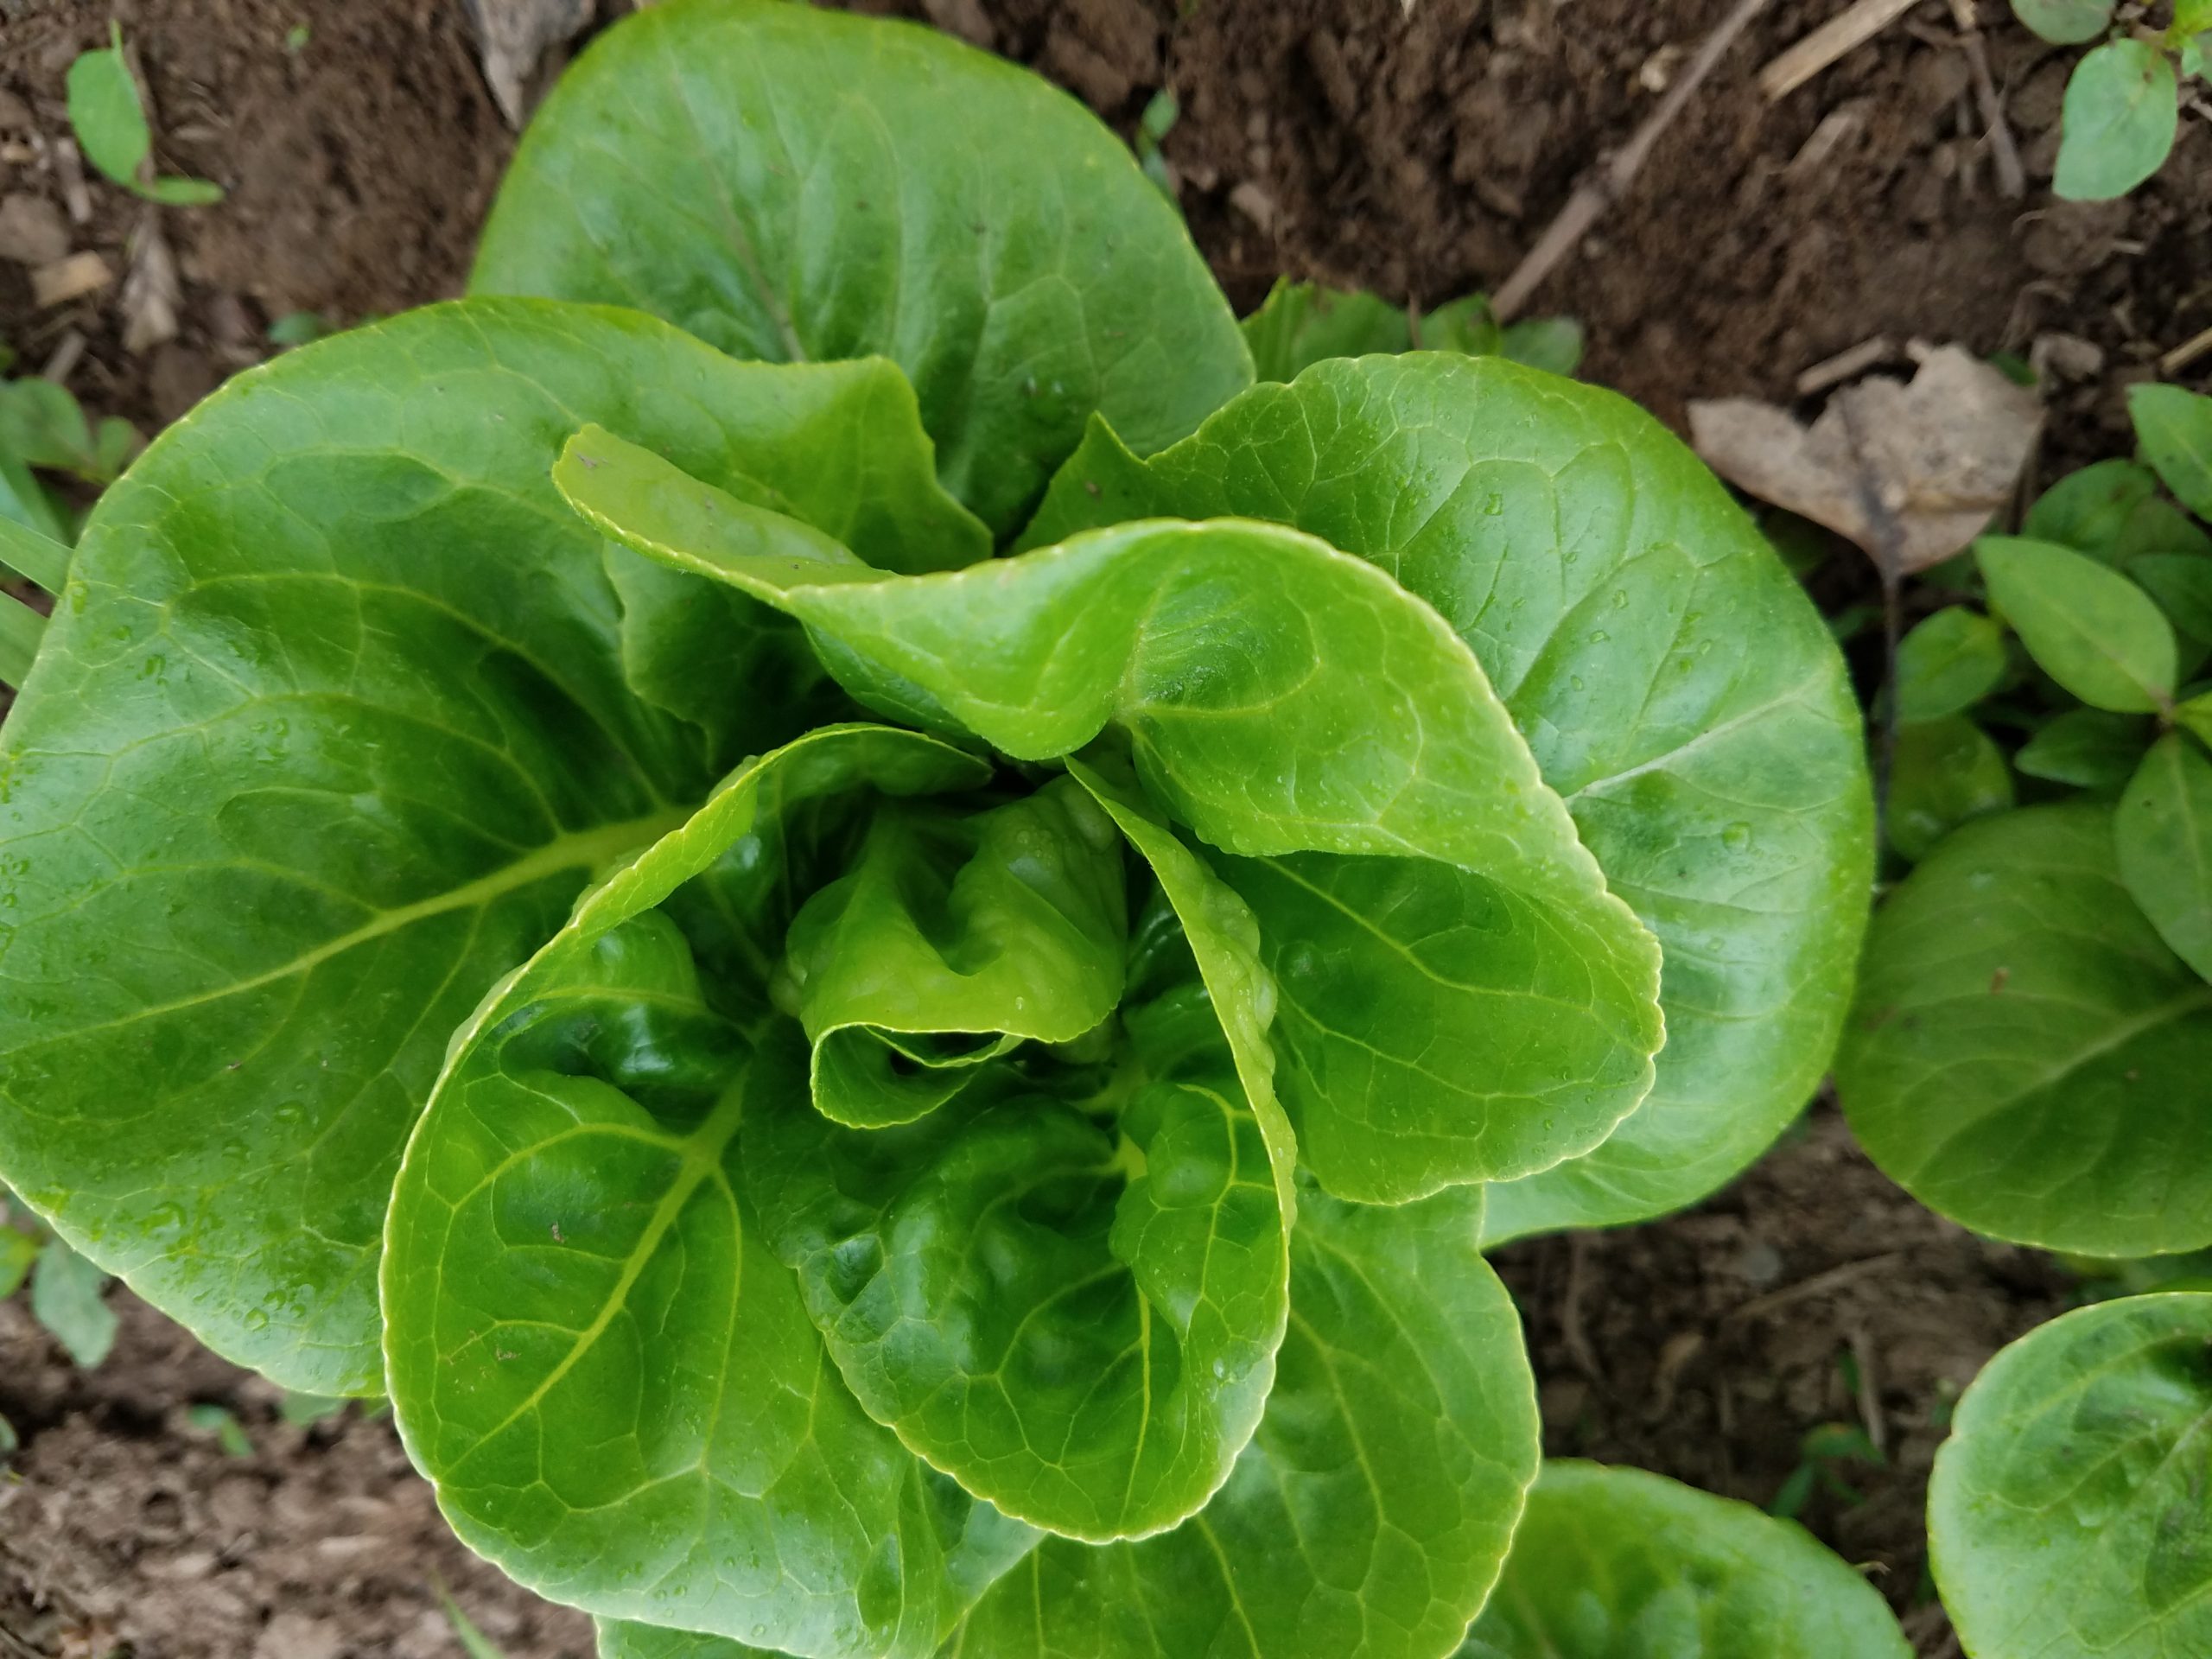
67,1298
2121,112
2089,627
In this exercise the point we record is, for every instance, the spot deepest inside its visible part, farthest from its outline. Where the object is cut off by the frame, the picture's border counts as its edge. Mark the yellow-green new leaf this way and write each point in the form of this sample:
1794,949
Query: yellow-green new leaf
1281,698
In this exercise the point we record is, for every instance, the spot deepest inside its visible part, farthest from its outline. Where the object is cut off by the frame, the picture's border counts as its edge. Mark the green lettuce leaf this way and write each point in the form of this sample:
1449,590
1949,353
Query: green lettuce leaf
953,937
786,184
1238,693
340,710
1676,687
1369,1514
1618,1564
2026,1054
591,1347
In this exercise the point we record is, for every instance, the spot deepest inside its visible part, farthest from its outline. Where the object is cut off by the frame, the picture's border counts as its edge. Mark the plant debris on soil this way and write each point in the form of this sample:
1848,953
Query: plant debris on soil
1344,141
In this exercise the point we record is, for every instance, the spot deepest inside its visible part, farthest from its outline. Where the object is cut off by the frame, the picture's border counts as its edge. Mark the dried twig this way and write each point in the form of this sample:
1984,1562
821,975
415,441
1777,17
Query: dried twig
1820,1283
1570,1312
1887,545
1846,365
2011,177
1854,27
1609,180
2186,354
1869,1390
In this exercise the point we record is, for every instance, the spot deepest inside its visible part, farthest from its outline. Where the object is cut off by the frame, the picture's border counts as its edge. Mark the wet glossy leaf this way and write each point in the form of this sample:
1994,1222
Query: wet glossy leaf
1618,1564
1077,1321
1036,654
2065,1512
2165,841
2122,108
342,709
1943,773
2026,1054
1672,680
793,189
2087,626
1948,664
2087,748
1410,1471
2175,430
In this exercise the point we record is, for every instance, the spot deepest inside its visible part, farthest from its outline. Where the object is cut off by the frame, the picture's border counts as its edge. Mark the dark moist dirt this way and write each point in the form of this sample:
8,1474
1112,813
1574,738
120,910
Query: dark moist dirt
1330,139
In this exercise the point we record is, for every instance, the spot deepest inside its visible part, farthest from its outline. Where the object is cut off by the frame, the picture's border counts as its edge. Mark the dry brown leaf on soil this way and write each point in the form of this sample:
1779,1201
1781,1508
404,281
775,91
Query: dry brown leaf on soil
515,36
151,292
1911,472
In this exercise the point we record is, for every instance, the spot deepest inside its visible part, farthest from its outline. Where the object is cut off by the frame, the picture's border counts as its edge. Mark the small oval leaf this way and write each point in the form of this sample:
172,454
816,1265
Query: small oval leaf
2164,831
2175,430
2087,626
2065,23
2121,112
1948,663
1944,772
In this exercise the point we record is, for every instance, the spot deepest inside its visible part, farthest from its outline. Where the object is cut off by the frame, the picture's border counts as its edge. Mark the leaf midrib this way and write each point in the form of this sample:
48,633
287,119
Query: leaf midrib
579,850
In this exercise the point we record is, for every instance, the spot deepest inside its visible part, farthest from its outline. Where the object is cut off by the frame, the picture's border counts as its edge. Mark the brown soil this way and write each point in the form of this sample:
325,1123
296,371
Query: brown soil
127,1531
1336,139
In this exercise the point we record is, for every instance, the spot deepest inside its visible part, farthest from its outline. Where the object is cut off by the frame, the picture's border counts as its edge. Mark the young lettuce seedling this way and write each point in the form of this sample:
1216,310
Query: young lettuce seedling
880,937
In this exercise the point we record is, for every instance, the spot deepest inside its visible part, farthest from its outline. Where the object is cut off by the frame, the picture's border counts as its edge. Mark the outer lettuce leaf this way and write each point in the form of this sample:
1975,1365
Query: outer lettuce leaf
1369,1517
1676,687
340,709
2027,1055
788,183
1618,1564
591,1348
1279,698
